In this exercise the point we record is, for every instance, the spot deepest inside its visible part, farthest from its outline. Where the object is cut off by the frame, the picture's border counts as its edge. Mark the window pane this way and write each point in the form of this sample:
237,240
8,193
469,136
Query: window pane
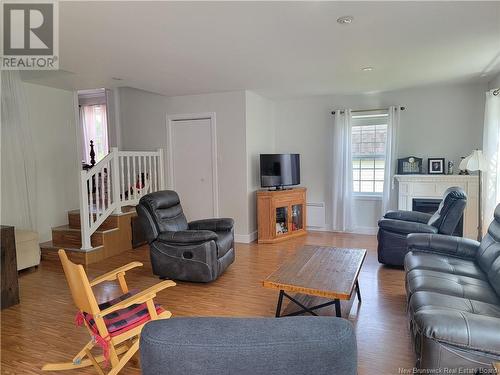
379,148
367,186
379,186
366,148
355,174
356,148
367,174
379,174
355,186
367,163
379,163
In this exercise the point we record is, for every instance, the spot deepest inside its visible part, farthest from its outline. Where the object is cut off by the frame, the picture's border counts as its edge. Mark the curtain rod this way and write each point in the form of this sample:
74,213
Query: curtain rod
369,110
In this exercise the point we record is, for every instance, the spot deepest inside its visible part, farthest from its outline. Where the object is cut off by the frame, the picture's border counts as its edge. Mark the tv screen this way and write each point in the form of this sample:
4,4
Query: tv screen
277,170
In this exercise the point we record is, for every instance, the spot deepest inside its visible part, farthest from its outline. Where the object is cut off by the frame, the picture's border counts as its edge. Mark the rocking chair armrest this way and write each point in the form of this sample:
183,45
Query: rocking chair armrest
112,275
141,297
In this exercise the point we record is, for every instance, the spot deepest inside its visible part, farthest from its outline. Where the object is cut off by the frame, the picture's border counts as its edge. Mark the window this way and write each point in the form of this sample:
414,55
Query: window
95,129
369,134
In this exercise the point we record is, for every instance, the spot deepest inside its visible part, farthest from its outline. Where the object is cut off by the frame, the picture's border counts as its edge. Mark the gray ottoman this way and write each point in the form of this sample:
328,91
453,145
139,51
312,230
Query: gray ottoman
253,346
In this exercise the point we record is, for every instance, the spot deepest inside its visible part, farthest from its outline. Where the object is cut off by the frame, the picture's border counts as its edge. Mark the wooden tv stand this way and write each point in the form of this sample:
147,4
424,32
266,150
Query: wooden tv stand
281,214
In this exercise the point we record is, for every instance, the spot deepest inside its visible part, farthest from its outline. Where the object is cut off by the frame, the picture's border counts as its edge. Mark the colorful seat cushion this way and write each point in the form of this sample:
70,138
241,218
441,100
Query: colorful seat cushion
123,320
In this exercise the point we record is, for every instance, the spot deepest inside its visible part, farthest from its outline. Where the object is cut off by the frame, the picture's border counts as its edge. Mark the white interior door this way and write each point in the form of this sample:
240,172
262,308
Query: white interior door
192,166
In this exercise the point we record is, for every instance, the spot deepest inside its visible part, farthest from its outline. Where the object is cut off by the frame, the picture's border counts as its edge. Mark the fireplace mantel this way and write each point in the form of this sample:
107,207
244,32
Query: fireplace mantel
433,186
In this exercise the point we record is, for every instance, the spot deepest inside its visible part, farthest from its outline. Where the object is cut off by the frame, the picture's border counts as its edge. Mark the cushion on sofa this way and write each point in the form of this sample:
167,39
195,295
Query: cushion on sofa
460,329
449,284
488,256
431,301
443,263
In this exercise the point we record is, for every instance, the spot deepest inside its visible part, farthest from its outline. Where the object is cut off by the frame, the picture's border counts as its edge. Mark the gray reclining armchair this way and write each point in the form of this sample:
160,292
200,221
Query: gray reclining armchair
396,225
197,251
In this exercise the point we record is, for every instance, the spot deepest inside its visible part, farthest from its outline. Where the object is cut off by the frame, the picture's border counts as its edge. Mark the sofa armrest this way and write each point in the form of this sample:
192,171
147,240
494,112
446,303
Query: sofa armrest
215,225
405,227
415,216
187,237
442,244
460,329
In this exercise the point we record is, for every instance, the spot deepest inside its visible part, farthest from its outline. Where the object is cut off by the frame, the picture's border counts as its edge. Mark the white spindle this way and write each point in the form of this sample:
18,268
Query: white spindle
134,178
94,197
122,181
150,159
103,208
139,160
108,180
155,174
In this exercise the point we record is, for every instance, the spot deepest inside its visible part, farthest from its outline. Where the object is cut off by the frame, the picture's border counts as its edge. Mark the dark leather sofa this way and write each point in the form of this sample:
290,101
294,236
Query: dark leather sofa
396,225
453,290
249,346
197,251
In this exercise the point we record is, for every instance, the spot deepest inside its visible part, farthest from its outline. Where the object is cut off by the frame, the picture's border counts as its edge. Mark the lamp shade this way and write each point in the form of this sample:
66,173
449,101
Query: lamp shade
474,162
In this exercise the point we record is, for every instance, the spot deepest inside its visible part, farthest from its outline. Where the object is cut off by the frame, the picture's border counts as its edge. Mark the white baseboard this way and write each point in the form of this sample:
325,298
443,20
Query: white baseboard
245,238
365,230
318,229
356,230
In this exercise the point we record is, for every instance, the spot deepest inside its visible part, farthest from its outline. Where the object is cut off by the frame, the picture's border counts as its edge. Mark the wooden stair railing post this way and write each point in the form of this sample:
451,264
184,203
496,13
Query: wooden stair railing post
84,211
92,153
115,181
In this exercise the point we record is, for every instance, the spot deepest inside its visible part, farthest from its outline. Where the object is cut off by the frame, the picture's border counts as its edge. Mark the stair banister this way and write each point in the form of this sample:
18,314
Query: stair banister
115,181
120,179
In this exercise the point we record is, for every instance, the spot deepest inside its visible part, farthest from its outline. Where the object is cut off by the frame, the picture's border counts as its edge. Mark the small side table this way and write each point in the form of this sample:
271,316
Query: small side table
10,287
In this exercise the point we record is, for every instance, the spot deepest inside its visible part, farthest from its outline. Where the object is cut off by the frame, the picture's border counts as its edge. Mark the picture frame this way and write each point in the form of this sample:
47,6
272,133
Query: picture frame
436,166
410,165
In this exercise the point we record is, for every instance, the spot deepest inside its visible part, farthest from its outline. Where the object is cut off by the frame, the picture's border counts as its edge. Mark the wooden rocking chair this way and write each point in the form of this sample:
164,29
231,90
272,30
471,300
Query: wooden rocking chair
115,325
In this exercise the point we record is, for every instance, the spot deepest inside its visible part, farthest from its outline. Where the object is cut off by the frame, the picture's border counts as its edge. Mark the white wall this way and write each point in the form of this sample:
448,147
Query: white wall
231,148
260,139
51,121
143,127
439,121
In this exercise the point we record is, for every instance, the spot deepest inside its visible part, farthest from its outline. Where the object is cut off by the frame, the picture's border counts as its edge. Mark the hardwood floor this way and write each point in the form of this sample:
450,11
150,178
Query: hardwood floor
40,329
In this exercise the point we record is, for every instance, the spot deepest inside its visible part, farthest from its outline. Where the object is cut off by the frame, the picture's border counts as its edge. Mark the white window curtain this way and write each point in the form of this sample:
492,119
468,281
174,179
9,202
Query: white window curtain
18,159
389,195
491,148
342,172
95,128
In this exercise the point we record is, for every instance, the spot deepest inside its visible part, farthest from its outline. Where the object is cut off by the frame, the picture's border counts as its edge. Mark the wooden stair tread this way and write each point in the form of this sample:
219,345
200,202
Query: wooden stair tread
49,246
66,227
125,211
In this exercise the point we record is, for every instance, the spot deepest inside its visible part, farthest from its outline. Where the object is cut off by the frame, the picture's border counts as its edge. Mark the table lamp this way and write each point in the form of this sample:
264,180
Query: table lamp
476,162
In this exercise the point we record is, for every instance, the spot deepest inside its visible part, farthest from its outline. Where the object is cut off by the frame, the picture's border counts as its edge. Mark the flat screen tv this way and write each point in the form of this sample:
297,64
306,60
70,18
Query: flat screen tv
279,170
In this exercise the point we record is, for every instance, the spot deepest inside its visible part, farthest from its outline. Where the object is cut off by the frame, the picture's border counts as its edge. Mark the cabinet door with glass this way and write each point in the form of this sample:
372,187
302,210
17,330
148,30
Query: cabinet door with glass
282,211
296,217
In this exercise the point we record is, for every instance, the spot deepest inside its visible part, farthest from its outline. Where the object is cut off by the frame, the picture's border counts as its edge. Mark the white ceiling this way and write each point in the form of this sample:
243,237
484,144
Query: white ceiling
276,48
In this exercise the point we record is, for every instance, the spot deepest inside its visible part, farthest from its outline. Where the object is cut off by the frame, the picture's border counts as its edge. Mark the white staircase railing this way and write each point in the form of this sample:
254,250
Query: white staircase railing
119,179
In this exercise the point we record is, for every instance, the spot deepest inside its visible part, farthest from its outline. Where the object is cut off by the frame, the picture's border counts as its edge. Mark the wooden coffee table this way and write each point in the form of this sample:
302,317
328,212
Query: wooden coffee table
327,272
